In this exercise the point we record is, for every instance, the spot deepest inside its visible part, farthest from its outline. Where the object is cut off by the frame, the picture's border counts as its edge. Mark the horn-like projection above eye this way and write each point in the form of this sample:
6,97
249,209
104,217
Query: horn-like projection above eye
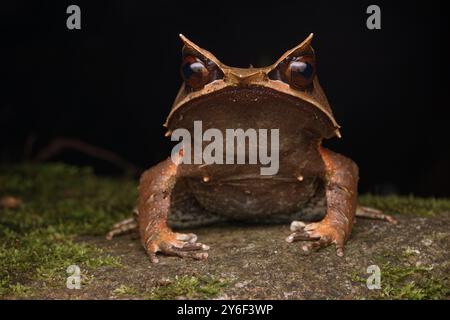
199,67
297,67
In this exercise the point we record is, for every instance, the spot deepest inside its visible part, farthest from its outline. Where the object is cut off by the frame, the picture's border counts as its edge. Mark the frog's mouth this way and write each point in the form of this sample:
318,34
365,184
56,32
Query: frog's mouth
256,107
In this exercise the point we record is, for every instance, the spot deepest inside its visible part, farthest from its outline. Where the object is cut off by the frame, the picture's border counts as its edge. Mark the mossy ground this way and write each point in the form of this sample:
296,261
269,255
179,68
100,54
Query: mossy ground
65,211
402,280
59,203
189,287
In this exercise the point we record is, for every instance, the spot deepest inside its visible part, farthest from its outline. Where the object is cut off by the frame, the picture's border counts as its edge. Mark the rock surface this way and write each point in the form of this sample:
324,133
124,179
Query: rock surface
256,263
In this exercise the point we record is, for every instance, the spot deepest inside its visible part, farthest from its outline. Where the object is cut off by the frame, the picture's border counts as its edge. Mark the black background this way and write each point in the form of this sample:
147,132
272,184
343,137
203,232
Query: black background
111,84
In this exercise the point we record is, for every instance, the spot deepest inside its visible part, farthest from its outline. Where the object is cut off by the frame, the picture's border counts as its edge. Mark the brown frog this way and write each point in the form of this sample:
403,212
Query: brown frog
314,189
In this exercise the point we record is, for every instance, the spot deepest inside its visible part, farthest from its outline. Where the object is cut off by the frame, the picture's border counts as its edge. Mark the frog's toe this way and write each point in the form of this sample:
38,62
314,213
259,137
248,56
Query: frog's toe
178,244
300,235
123,227
297,226
323,242
186,250
188,237
320,234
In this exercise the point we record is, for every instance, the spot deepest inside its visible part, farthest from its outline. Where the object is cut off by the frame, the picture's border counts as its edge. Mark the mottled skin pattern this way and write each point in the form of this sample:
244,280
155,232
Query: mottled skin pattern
313,184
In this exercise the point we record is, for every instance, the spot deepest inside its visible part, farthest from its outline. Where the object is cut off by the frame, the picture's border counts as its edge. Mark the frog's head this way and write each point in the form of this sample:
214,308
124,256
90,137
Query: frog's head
289,89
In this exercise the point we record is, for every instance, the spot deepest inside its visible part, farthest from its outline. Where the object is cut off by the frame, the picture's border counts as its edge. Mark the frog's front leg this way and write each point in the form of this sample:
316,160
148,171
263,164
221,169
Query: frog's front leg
155,193
341,178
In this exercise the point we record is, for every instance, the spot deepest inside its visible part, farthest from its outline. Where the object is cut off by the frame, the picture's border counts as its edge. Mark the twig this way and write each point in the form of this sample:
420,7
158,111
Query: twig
59,144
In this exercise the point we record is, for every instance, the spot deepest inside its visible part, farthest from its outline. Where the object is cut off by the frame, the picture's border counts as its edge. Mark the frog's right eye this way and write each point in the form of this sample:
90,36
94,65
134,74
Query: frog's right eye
299,73
194,72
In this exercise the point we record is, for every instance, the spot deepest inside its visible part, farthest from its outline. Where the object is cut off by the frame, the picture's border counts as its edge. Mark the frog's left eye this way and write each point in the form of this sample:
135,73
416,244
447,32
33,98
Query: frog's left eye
299,72
194,72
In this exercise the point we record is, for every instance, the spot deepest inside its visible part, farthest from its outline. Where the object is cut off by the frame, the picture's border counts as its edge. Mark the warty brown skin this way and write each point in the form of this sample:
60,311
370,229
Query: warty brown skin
157,184
310,176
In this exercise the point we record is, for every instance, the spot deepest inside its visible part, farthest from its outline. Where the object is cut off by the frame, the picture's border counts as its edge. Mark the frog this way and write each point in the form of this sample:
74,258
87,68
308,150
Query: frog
314,191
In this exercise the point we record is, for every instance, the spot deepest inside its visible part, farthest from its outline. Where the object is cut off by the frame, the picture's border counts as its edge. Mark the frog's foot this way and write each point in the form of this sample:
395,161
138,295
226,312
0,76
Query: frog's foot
176,244
371,213
122,227
321,234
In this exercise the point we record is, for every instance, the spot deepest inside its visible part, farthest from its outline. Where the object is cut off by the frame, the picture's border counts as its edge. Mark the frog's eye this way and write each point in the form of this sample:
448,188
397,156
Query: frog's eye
194,72
299,72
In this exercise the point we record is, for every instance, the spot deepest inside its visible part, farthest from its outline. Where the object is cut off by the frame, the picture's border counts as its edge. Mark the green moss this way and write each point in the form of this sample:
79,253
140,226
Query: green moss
189,287
19,290
400,280
406,205
124,290
71,198
411,282
59,203
44,255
